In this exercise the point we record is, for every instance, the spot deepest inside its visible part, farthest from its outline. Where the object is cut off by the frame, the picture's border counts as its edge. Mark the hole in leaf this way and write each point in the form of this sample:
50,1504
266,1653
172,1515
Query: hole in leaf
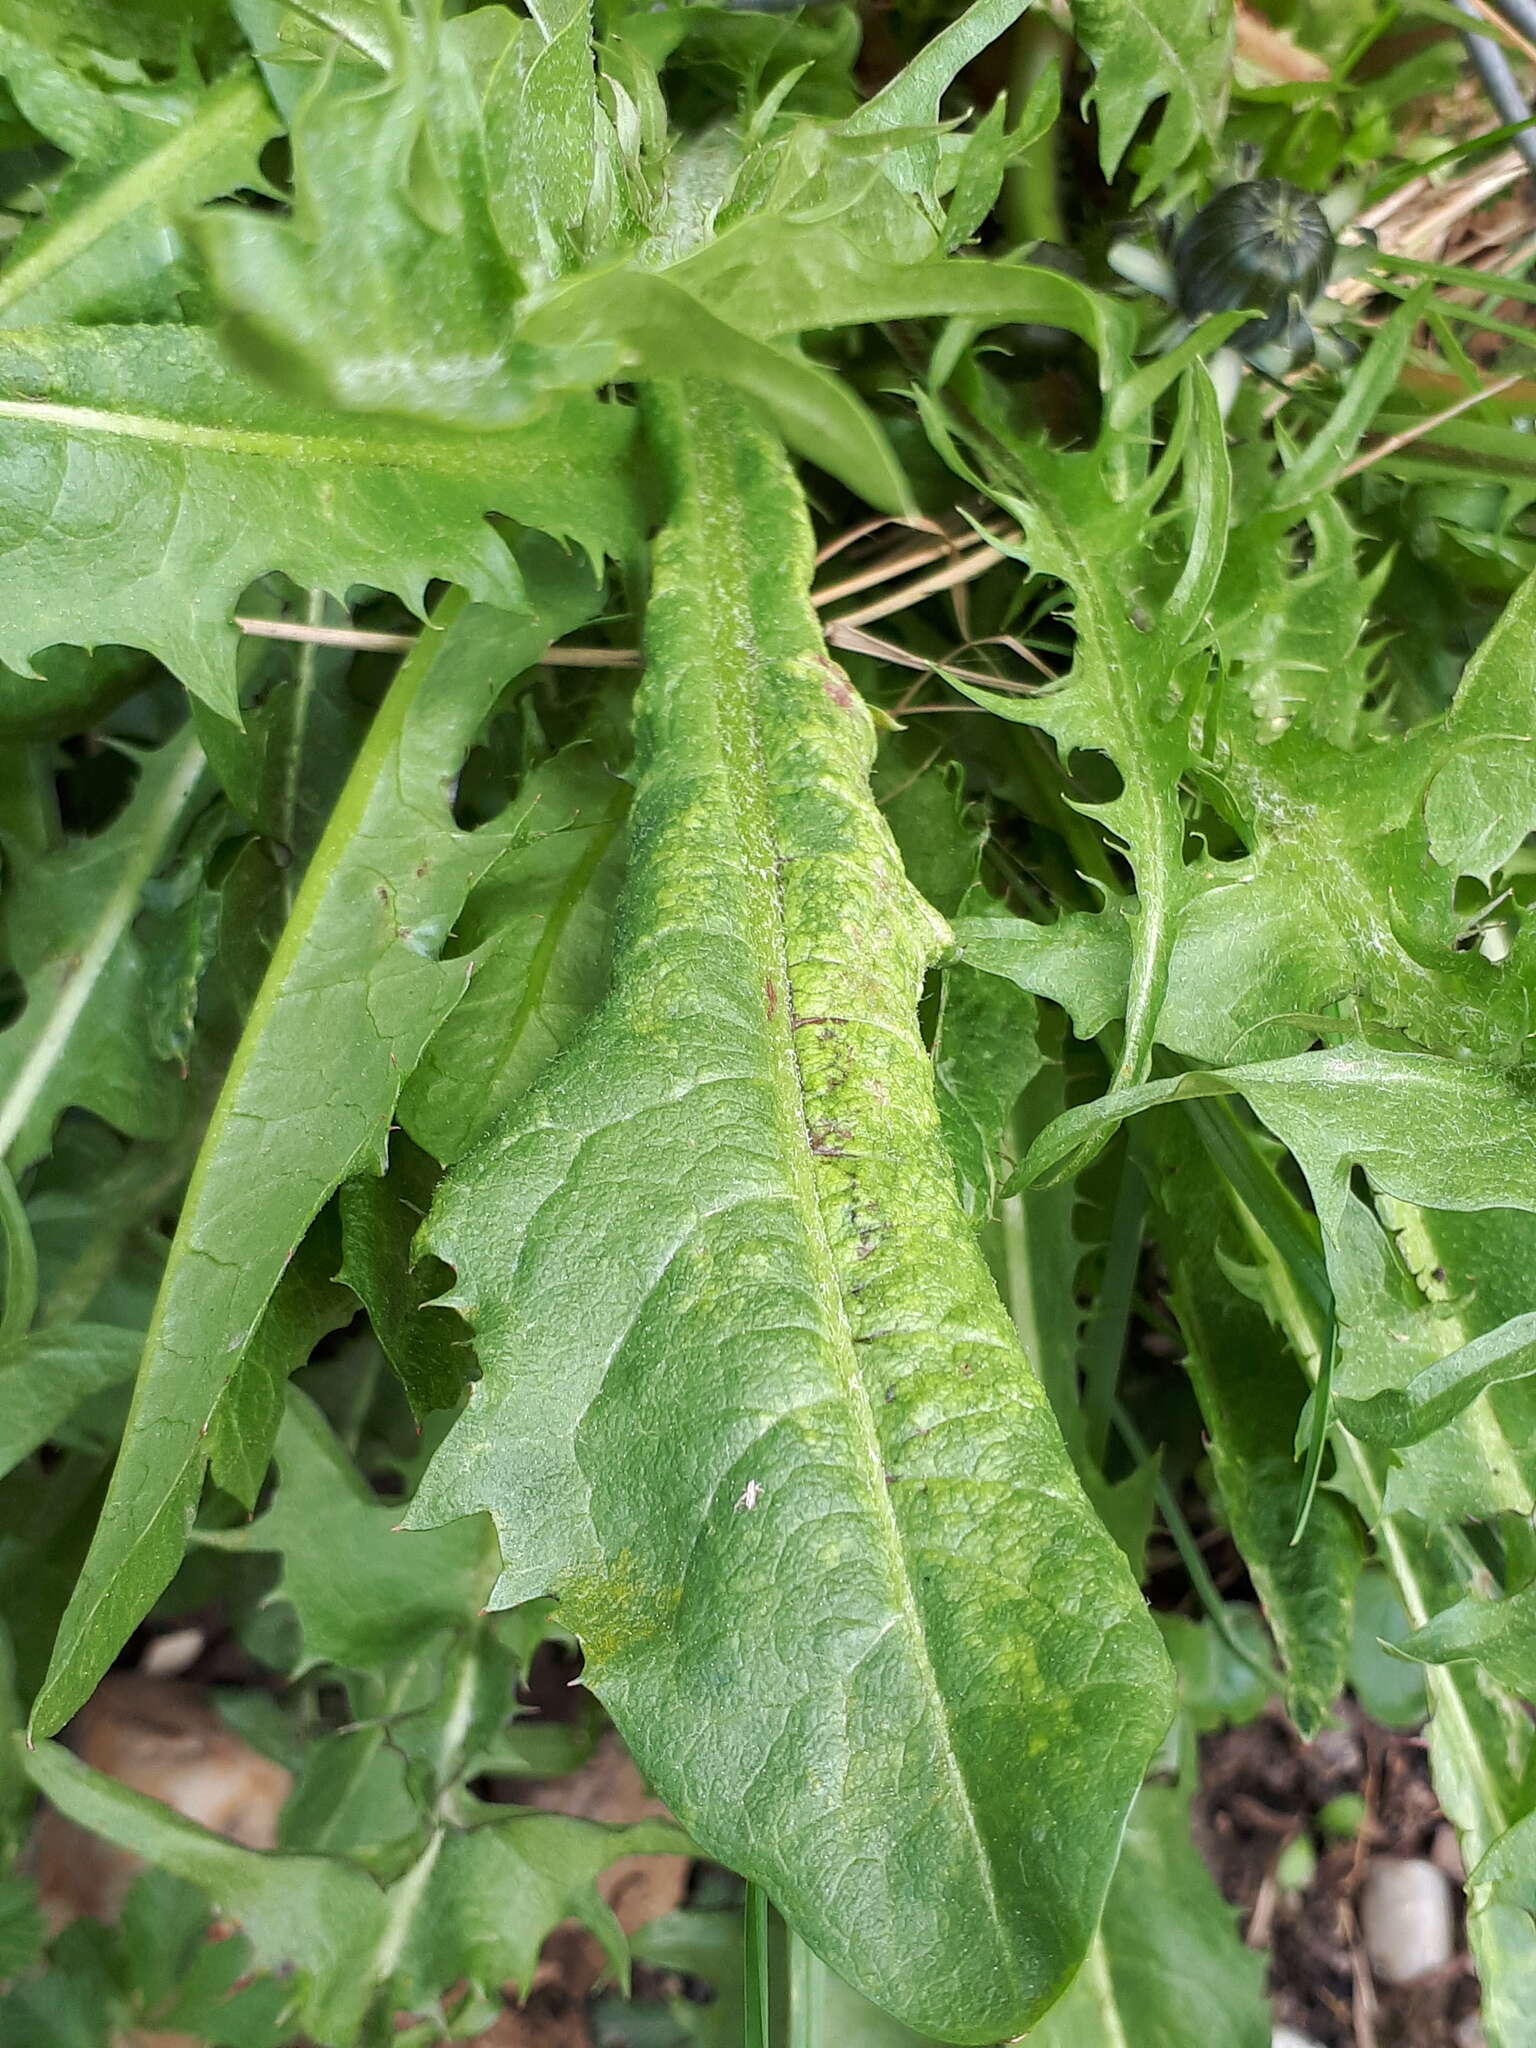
1093,777
1209,830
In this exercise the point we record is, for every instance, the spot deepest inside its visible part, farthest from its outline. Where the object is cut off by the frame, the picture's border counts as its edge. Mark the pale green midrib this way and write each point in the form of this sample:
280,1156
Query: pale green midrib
228,105
409,447
1096,1969
736,710
115,916
541,960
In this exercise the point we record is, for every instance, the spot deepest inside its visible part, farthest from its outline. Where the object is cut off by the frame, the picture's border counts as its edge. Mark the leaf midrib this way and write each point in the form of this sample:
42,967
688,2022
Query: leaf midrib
556,924
409,449
737,714
231,104
111,923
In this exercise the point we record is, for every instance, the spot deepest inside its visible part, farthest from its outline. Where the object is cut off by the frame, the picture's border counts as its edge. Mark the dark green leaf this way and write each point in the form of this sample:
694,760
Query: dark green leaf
1251,1394
428,1347
51,1375
353,993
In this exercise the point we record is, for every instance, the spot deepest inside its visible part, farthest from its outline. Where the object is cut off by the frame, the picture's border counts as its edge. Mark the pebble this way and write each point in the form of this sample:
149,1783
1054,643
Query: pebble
1407,1918
1287,2037
1469,2033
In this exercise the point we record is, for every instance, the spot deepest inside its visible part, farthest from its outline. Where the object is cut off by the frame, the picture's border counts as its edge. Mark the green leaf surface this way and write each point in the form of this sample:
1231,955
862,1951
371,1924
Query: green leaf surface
1331,898
705,1945
1439,1393
1389,1689
821,2007
1086,519
984,1038
354,991
21,1925
409,212
1223,1667
475,1903
308,1303
985,1054
283,767
415,166
1081,961
745,1141
496,1890
1450,1354
146,484
108,248
1442,1133
1480,1739
148,32
1435,1133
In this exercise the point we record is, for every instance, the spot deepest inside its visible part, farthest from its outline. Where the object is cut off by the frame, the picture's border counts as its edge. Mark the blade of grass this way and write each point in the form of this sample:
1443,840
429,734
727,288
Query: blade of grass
20,1266
754,1934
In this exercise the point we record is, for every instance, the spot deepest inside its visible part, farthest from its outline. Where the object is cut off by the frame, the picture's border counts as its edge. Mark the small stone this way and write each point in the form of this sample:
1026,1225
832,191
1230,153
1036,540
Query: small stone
1287,2037
1469,2032
1406,1916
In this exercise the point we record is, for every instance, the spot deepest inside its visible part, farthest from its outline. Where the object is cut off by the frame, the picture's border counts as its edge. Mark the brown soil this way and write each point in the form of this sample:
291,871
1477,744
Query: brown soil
1261,1787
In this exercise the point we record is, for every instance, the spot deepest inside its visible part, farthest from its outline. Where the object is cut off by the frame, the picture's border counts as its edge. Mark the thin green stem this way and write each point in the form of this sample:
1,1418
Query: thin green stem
1261,1191
1206,1589
1322,1414
755,1989
20,1267
1031,203
1104,1339
805,1970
